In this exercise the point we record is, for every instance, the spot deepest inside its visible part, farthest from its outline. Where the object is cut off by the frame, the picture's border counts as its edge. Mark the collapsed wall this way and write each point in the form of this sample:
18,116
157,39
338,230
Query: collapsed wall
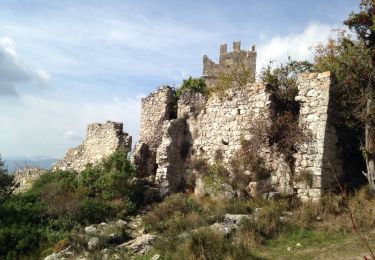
101,141
156,108
213,128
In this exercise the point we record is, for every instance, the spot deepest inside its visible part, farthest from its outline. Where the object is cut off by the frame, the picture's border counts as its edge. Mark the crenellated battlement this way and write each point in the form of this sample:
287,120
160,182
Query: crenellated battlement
228,62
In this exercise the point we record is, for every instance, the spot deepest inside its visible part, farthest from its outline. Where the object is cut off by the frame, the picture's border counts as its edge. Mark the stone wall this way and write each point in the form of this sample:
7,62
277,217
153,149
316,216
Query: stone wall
171,156
230,62
219,126
26,177
317,157
155,110
101,141
219,123
212,127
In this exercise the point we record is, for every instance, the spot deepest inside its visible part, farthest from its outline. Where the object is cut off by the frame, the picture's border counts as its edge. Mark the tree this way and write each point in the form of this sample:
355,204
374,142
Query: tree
7,183
352,61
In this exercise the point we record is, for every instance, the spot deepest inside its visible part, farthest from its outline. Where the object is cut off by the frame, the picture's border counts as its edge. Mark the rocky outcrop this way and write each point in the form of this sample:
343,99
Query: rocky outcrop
101,141
24,178
141,244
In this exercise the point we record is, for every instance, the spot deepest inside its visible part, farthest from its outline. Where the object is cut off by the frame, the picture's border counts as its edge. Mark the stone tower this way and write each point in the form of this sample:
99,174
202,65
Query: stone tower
233,62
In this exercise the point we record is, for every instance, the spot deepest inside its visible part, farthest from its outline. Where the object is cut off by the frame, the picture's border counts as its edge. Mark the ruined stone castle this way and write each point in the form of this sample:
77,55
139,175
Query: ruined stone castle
171,136
101,141
175,133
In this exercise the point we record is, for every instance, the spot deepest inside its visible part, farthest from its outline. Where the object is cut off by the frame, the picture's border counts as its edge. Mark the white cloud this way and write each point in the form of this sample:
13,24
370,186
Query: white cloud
296,45
13,71
71,135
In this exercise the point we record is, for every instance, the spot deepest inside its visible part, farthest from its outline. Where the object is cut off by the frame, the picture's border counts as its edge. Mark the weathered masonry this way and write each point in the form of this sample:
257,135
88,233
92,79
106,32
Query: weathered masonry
101,141
171,136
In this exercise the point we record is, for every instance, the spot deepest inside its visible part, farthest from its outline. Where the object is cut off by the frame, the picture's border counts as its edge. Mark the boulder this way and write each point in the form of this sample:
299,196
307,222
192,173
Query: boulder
141,244
230,223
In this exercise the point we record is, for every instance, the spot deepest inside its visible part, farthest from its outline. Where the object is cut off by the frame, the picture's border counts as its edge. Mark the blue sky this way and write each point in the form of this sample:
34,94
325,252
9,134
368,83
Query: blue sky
64,64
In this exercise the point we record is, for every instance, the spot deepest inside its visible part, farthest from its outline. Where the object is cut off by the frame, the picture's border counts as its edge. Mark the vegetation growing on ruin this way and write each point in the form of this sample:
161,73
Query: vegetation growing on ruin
191,84
285,130
236,75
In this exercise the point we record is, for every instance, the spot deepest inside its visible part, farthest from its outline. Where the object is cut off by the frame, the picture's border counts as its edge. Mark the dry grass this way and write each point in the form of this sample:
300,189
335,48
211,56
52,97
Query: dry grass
274,228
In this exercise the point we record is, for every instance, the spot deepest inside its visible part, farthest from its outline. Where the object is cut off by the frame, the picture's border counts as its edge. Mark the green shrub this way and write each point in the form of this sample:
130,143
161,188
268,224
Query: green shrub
191,84
60,202
174,206
214,178
94,211
205,243
7,183
18,240
265,225
232,76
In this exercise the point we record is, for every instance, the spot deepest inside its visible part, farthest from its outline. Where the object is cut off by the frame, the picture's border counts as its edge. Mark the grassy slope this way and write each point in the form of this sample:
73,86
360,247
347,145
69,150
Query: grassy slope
316,245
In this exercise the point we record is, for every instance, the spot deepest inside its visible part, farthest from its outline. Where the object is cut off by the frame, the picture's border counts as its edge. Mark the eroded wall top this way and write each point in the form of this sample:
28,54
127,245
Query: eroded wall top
101,141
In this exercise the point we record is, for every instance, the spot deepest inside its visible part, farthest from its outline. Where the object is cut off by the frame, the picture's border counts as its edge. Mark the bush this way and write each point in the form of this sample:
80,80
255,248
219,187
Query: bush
60,202
18,240
7,183
232,76
94,211
191,84
174,207
205,243
285,132
214,178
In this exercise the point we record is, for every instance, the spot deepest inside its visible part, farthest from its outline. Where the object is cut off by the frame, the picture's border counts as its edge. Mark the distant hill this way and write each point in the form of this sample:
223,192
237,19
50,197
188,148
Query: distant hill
13,163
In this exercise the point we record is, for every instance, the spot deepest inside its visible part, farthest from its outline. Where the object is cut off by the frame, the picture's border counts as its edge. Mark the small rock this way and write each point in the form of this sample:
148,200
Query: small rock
155,257
93,243
235,218
257,212
90,229
120,223
288,248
